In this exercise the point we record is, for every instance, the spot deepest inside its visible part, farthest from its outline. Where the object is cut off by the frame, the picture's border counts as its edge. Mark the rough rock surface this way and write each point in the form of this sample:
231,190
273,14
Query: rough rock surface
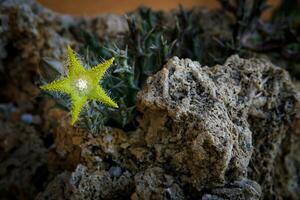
215,126
154,183
186,117
229,131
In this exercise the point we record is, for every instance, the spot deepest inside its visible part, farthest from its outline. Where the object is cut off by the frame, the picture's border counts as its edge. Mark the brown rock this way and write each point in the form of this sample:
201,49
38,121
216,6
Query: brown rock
205,122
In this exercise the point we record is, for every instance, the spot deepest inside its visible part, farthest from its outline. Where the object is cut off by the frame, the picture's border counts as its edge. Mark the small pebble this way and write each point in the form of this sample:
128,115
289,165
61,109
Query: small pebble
108,138
27,118
98,159
115,171
30,119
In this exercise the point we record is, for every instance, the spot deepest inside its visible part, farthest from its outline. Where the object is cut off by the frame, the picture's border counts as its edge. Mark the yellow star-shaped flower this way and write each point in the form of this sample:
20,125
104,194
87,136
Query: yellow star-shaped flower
82,85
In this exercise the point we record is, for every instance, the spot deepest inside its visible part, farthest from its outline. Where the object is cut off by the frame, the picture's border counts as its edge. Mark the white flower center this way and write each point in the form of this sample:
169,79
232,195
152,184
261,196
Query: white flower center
81,84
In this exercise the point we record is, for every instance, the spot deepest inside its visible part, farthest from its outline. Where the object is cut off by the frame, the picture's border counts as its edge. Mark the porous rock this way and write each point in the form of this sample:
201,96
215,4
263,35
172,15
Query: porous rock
154,183
189,123
214,126
99,184
87,184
